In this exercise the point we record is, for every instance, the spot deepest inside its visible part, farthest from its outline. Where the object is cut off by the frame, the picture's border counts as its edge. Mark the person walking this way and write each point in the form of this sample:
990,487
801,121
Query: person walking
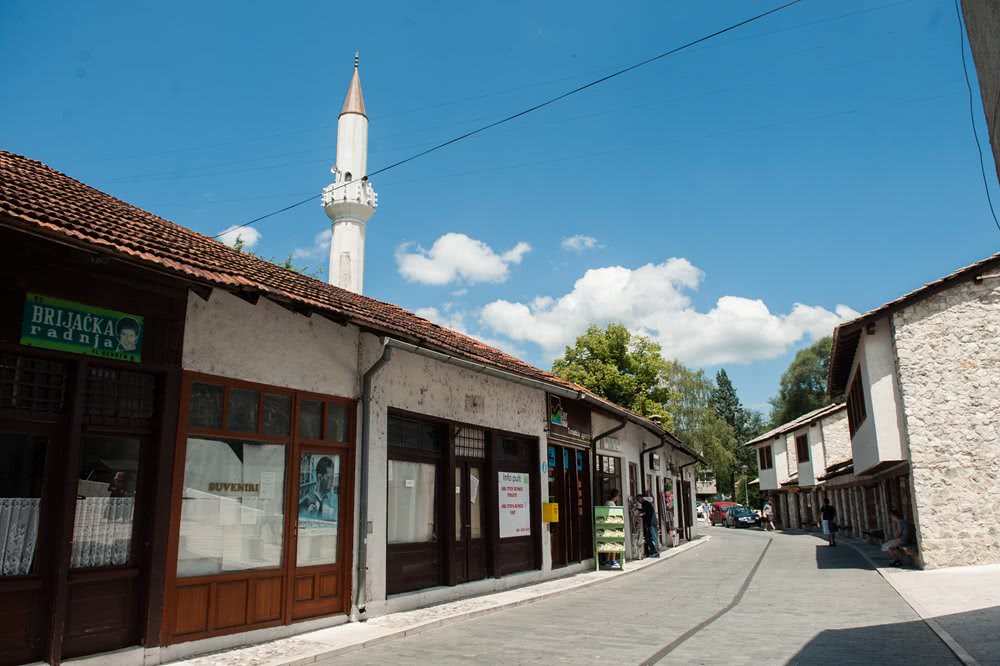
768,521
828,517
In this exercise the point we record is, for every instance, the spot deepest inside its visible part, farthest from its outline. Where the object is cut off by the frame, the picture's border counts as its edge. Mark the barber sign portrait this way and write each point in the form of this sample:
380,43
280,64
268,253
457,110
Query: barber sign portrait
61,325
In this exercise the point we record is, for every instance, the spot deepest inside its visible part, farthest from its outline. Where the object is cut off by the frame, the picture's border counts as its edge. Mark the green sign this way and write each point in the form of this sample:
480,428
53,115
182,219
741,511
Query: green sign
81,329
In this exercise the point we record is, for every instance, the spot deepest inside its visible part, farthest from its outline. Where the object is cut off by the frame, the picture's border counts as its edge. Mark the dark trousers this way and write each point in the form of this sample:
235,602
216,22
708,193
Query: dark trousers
652,540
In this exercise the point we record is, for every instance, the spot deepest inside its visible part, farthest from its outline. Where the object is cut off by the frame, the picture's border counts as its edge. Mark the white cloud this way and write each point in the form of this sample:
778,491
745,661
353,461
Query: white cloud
579,243
457,257
460,292
249,235
320,249
653,300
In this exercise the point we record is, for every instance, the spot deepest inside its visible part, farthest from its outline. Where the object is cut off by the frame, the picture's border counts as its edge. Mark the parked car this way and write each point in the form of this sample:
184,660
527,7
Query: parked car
717,512
740,516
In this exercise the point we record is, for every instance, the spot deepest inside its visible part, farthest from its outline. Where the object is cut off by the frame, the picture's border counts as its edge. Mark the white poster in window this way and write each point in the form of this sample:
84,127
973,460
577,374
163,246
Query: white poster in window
515,507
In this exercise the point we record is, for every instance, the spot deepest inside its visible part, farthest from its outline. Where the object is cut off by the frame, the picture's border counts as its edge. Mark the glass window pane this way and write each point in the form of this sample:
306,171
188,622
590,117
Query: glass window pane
277,414
206,406
310,418
232,513
411,514
336,422
22,466
319,509
475,505
105,502
242,410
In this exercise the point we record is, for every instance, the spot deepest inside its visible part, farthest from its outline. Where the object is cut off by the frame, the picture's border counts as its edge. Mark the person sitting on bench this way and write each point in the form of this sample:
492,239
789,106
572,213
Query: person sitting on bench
901,536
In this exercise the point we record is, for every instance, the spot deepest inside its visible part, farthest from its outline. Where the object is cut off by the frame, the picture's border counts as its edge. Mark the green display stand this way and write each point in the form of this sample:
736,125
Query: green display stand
609,534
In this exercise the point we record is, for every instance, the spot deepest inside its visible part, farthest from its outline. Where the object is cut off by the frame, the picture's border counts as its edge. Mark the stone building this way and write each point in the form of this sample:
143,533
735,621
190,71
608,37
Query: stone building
921,376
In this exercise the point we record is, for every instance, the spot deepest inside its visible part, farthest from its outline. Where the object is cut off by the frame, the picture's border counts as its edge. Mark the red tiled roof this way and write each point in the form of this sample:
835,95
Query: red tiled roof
37,198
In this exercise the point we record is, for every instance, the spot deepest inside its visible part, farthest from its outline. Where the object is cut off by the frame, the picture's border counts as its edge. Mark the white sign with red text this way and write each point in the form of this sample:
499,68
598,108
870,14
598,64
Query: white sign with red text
515,509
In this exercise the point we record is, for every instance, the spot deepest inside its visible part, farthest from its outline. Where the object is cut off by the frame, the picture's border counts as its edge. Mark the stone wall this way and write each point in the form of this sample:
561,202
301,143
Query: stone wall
948,355
836,438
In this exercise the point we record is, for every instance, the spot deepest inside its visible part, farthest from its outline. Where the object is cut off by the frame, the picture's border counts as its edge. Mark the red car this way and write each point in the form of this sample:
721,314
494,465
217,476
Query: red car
717,512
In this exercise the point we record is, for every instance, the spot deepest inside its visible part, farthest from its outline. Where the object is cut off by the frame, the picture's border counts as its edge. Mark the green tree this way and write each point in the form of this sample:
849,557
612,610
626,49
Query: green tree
802,387
624,368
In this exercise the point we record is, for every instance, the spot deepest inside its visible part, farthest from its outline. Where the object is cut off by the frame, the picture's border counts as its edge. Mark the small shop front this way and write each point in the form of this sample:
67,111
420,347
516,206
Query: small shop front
262,504
89,373
460,505
570,484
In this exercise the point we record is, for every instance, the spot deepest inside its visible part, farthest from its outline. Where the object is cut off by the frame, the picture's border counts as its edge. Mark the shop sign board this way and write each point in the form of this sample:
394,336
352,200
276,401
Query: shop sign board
52,323
515,506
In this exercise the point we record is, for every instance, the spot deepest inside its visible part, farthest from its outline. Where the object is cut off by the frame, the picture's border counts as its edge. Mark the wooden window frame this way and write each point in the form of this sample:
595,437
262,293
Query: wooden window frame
856,412
287,571
765,457
802,447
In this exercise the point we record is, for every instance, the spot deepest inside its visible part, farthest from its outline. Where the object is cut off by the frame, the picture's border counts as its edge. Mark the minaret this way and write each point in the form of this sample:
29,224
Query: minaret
350,200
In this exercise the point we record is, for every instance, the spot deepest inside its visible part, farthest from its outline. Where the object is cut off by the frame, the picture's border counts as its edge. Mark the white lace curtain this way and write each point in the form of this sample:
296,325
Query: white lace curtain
102,531
18,534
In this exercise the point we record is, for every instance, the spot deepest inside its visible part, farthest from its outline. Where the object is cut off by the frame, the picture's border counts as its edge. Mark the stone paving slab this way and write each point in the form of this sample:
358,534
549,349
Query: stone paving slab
309,647
961,604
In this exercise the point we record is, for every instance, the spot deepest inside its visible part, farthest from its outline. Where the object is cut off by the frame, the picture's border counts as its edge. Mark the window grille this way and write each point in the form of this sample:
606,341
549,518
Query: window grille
119,397
470,442
32,384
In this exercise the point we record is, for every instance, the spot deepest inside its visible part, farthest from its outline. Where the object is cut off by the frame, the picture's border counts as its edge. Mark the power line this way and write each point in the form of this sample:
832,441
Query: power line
532,109
972,113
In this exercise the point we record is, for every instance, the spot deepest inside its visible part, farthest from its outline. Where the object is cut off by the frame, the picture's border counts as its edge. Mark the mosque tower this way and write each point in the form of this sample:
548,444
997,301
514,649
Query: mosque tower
350,200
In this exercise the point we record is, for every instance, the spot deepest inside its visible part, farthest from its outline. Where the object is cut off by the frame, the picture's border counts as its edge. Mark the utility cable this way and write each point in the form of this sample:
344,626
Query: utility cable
972,113
525,112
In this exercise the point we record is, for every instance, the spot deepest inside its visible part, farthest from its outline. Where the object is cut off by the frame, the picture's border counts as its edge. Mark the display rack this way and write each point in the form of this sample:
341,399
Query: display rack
609,534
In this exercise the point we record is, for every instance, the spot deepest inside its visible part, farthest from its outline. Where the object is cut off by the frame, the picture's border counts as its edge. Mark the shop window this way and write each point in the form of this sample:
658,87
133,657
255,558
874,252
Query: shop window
277,414
418,436
32,384
802,448
232,509
319,509
119,397
22,465
206,406
336,422
411,513
242,416
475,502
609,474
310,419
105,502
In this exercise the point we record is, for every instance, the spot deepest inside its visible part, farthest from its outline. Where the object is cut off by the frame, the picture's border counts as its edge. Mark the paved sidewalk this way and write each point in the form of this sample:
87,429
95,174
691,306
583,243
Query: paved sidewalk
960,603
309,647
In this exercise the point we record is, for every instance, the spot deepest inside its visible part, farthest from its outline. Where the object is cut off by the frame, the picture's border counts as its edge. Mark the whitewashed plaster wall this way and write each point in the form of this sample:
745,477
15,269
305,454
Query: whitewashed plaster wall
880,438
948,351
425,386
768,477
807,468
266,343
779,452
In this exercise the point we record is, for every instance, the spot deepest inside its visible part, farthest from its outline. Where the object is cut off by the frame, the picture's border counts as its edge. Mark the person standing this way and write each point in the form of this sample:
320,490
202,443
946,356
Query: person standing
828,517
649,526
611,561
768,521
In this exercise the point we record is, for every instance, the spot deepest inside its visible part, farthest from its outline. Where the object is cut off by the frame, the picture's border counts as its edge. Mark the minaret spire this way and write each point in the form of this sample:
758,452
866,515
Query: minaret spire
350,200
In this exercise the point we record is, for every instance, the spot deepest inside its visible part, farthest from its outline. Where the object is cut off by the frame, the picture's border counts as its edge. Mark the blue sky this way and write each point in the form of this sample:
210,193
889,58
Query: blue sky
821,157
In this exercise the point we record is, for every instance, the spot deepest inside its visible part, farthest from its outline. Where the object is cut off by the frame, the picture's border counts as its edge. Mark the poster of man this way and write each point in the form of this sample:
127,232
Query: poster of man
318,487
128,331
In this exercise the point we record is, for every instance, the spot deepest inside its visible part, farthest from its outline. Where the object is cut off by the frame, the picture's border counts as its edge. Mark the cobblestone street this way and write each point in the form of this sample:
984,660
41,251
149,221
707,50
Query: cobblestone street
742,598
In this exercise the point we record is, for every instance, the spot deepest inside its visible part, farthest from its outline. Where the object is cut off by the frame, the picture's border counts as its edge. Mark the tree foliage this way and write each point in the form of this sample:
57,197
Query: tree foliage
802,387
631,371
